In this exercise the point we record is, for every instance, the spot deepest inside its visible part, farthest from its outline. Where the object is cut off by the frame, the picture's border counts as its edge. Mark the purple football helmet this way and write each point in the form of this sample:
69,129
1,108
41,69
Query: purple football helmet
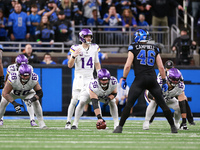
24,72
104,75
21,59
174,76
83,33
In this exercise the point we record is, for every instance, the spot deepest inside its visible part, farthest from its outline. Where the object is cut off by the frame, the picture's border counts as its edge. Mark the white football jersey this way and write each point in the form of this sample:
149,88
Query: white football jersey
175,91
13,67
85,61
19,89
97,89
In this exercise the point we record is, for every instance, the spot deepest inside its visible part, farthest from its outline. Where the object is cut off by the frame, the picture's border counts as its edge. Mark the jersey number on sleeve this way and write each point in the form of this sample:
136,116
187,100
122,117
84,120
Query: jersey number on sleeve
149,59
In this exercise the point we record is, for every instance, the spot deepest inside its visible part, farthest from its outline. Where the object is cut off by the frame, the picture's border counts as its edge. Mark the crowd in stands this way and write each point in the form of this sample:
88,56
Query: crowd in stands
53,20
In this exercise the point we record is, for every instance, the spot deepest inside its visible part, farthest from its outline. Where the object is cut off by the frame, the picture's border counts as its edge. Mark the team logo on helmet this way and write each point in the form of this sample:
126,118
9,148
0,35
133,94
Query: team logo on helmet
83,33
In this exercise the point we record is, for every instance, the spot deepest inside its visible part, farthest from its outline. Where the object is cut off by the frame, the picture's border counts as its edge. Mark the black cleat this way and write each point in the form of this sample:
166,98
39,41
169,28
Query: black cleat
174,129
118,129
74,127
192,123
183,126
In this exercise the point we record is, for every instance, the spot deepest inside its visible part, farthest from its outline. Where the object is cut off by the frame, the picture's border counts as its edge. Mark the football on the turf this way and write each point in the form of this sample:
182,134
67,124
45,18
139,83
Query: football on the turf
101,125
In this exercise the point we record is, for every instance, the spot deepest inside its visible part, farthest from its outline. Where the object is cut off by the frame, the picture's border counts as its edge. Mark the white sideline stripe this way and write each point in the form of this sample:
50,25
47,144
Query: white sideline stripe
93,147
97,142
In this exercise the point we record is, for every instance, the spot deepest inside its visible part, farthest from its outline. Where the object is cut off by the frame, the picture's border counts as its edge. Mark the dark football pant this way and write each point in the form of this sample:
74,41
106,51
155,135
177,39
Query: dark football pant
139,84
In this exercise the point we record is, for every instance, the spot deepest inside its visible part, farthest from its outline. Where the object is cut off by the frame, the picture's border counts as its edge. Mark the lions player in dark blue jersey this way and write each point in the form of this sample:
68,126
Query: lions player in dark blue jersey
144,56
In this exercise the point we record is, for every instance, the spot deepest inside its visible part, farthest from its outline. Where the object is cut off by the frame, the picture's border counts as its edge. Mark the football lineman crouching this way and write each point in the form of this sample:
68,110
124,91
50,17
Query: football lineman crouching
103,89
176,89
23,84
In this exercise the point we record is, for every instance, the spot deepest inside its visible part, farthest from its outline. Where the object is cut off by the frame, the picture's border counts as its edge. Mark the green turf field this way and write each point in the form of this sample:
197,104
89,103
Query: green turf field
18,134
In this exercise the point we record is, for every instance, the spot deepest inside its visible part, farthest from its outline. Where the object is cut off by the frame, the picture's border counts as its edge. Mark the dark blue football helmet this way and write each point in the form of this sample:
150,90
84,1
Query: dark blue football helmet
174,76
103,74
141,35
83,33
24,71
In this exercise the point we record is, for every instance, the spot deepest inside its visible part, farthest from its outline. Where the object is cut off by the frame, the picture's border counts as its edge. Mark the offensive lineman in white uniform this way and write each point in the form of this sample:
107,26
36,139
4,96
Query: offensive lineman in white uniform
103,89
176,89
19,60
23,84
85,57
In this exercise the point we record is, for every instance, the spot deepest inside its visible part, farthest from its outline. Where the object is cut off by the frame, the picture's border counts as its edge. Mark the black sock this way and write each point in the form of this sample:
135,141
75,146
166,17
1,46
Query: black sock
184,120
125,115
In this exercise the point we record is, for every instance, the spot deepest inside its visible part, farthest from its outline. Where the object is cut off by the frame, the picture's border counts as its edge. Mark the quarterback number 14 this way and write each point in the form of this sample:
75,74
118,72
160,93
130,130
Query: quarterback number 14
89,62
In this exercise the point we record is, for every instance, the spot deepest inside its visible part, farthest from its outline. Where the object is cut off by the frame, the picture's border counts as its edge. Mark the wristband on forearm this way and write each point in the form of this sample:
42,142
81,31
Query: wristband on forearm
164,81
124,78
73,57
33,99
99,116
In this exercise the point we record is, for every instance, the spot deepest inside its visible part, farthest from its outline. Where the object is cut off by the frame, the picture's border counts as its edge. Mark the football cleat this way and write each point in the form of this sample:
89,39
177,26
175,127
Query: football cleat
183,126
68,125
74,127
192,123
118,129
33,123
174,129
1,122
146,125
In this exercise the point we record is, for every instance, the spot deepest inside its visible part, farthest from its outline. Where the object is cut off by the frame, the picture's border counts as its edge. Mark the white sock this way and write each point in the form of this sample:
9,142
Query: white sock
30,111
38,112
150,110
71,108
114,112
3,106
78,112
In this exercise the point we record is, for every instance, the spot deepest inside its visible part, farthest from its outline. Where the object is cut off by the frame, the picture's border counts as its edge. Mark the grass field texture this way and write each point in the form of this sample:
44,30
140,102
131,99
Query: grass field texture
19,135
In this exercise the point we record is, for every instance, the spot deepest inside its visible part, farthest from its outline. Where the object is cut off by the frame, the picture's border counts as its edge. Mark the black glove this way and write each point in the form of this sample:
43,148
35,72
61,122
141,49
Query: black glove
107,100
30,100
17,107
1,82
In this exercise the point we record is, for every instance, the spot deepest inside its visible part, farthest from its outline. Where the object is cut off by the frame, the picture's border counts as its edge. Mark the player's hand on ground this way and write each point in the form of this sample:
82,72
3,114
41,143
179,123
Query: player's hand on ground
101,124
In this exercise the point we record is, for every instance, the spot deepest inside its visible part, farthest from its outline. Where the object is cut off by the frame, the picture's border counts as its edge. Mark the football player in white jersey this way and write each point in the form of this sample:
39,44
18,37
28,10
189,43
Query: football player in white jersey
19,60
85,57
23,84
176,89
103,89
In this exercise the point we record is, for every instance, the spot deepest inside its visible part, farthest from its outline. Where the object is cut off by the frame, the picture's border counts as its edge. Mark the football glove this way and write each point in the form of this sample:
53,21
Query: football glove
17,107
164,85
1,82
30,100
124,84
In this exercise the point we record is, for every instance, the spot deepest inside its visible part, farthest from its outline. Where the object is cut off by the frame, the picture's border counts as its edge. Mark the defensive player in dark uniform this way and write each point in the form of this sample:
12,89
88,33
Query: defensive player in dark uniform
144,56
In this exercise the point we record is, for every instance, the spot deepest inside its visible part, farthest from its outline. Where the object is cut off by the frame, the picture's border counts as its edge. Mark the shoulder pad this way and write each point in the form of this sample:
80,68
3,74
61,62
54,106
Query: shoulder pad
130,47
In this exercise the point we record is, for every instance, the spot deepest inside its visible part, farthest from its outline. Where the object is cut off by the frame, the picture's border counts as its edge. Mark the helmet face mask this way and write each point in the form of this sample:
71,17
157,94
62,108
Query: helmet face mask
24,73
174,76
103,77
141,35
21,59
83,34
